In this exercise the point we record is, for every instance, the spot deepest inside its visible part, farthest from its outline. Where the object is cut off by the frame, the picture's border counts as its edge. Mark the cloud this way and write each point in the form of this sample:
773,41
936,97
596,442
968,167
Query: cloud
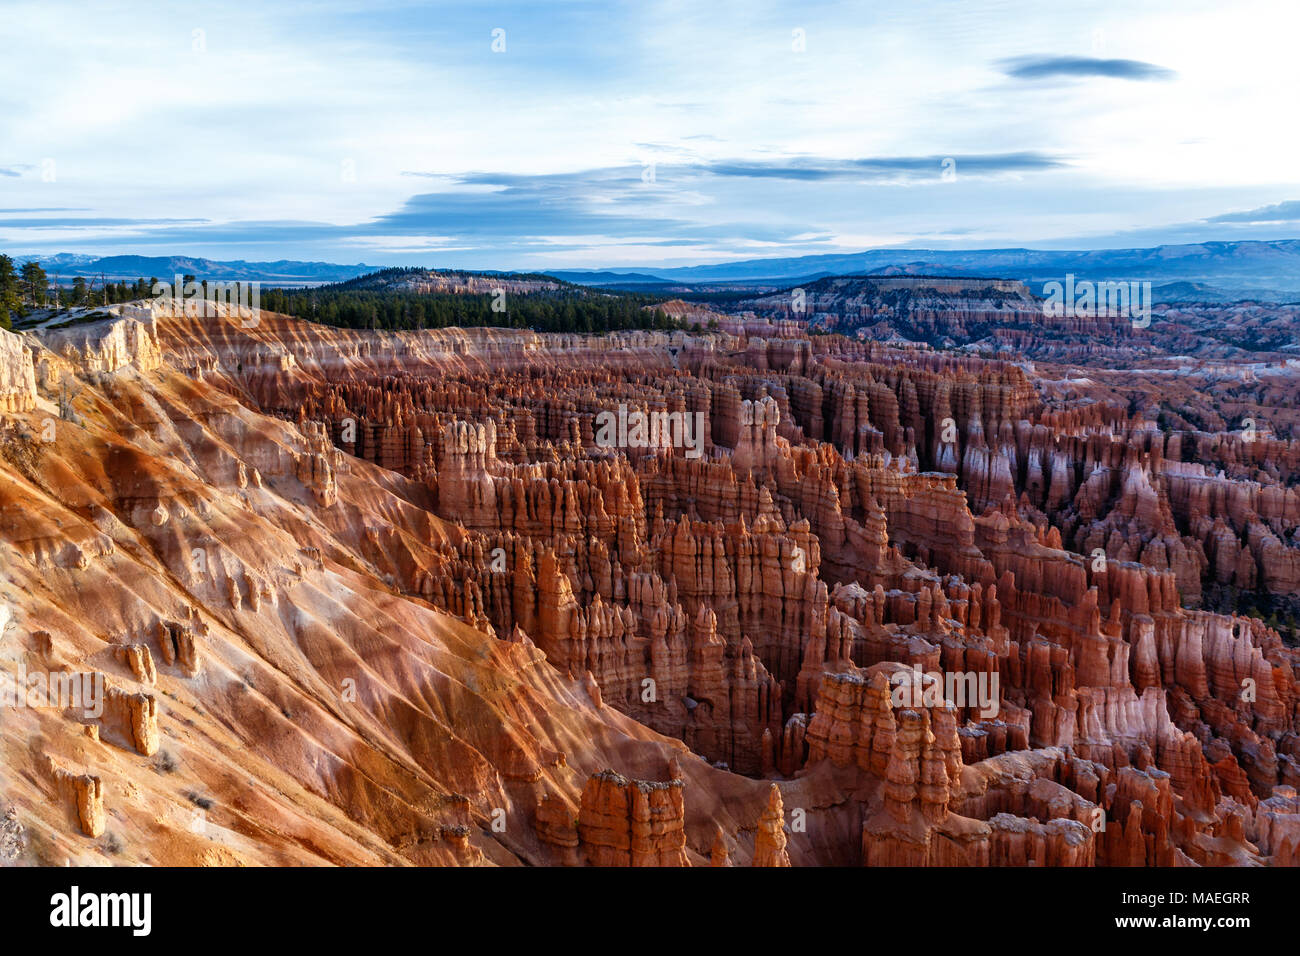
10,171
666,202
1049,67
44,222
523,206
678,204
880,170
884,169
1288,211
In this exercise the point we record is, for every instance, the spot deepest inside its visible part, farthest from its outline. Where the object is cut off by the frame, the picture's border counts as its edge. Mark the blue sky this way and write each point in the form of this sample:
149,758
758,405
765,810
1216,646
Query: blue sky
609,134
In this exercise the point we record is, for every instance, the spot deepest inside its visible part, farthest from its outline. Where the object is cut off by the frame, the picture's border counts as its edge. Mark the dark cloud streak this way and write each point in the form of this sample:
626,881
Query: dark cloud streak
1073,67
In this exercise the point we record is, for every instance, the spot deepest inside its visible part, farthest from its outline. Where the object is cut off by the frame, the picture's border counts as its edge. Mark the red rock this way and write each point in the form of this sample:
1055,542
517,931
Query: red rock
770,841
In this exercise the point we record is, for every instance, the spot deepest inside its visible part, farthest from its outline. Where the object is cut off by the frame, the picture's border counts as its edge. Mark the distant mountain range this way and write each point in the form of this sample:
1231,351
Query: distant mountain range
281,272
1207,271
1203,272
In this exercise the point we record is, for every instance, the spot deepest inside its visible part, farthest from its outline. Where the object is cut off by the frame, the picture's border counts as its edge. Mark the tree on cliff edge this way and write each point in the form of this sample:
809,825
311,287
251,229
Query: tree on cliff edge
34,282
8,291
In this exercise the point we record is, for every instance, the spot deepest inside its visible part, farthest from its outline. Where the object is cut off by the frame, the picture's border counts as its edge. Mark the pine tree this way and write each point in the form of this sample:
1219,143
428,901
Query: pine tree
9,302
34,282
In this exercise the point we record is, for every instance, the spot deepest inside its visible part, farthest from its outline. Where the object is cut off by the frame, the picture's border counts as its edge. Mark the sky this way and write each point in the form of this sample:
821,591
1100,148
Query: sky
589,135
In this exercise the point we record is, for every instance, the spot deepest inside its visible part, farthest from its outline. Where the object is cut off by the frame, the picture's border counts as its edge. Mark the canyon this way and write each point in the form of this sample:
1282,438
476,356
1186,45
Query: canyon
384,598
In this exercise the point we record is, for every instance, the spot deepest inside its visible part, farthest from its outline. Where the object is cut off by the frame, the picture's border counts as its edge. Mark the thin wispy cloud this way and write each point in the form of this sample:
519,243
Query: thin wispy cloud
886,169
1278,212
1074,67
803,168
75,222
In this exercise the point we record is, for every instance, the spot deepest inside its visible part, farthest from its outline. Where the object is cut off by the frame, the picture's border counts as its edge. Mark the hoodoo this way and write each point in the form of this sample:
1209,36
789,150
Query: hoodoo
390,598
